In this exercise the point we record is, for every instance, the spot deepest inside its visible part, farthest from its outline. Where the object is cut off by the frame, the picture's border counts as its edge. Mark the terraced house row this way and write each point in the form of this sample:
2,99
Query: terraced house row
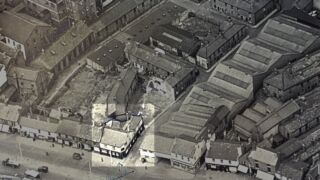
115,139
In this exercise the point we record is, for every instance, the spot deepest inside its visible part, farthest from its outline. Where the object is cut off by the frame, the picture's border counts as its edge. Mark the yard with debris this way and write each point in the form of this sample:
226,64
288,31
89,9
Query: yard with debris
83,89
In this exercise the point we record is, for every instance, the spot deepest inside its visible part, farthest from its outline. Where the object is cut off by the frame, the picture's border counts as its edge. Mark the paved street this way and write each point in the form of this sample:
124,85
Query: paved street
62,166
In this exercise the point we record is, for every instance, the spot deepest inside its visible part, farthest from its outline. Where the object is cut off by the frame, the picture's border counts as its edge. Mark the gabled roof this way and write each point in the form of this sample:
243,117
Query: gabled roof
289,34
63,46
279,115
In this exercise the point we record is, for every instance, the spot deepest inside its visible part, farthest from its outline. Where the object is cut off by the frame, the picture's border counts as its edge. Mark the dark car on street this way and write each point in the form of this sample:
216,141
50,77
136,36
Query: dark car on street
43,169
76,156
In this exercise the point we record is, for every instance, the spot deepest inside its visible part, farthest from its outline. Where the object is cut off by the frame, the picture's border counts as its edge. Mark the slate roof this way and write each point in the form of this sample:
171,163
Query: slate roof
176,69
63,46
296,73
68,127
311,111
302,16
112,52
176,38
120,9
26,73
121,88
184,147
216,43
147,54
288,34
163,14
293,170
279,115
225,150
250,6
17,27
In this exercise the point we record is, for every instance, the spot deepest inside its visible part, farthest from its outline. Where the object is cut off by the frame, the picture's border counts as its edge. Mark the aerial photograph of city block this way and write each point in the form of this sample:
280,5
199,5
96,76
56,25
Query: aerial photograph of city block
160,89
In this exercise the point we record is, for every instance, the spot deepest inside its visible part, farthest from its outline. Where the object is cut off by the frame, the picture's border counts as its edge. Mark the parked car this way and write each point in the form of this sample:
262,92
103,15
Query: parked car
76,156
10,163
43,169
32,174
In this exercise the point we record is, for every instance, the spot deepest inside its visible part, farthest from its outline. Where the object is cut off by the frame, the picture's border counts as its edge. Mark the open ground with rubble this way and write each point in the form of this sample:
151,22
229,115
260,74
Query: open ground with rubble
85,87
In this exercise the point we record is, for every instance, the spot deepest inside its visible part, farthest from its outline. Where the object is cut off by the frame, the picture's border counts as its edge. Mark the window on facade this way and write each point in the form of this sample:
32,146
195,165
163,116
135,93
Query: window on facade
229,162
269,169
221,161
21,83
257,165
